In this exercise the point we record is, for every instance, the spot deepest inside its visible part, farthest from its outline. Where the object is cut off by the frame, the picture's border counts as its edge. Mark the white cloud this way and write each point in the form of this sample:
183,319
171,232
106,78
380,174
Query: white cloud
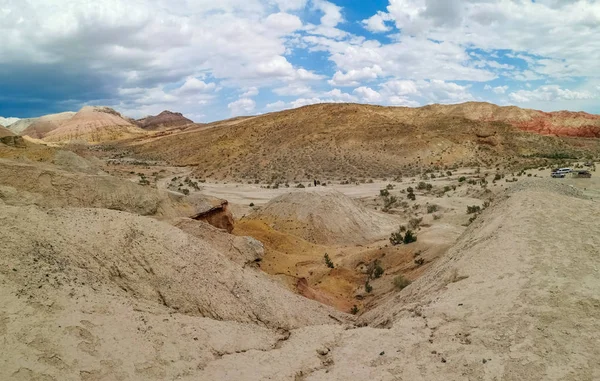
551,93
355,77
497,89
194,85
290,5
242,106
377,22
276,106
283,22
293,90
250,92
368,95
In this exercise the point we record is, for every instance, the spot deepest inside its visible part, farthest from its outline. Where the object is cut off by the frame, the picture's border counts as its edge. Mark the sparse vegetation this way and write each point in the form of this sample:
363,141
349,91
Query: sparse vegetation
409,237
414,223
328,261
400,282
432,208
461,179
368,287
473,209
354,310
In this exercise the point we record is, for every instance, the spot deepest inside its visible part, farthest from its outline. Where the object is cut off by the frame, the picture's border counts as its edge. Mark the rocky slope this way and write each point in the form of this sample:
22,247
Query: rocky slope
94,125
560,123
342,140
164,120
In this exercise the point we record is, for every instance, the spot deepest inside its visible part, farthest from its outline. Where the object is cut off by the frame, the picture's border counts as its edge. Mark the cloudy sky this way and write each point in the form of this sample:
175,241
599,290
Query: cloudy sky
216,59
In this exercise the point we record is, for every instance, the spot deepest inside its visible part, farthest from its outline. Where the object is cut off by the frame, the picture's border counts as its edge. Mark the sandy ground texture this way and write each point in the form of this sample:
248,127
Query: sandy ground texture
96,294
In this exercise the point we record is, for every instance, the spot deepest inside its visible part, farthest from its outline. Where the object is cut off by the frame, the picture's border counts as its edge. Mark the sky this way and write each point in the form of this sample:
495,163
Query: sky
213,60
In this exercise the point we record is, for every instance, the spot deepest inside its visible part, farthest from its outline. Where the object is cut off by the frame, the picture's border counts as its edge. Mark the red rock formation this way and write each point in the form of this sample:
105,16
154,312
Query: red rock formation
218,216
164,120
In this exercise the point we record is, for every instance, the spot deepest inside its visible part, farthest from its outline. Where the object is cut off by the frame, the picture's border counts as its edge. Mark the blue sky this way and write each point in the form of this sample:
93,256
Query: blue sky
213,60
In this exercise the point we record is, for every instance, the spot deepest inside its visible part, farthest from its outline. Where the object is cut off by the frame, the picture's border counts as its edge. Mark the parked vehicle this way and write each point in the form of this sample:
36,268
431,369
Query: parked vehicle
562,170
558,175
582,174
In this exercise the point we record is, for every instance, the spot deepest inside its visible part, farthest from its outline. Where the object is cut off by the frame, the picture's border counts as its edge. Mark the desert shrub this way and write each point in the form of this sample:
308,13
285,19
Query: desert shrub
486,204
409,237
251,204
473,209
448,173
400,282
447,189
420,261
424,186
402,228
432,208
328,261
411,196
368,287
497,177
410,190
389,202
396,238
384,192
414,223
377,270
461,179
300,186
437,216
354,310
185,191
389,187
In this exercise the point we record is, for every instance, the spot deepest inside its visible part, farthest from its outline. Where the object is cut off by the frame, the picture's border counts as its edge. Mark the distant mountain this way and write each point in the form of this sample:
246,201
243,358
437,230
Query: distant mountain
5,122
94,124
45,124
20,125
164,120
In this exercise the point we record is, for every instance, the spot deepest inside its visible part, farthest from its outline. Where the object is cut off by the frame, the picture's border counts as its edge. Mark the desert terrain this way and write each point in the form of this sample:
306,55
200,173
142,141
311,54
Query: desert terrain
332,242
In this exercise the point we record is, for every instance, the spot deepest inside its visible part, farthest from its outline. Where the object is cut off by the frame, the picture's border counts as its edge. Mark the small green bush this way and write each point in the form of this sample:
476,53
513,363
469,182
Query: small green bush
473,209
384,192
409,237
354,310
461,179
400,282
411,196
328,261
251,204
432,208
368,287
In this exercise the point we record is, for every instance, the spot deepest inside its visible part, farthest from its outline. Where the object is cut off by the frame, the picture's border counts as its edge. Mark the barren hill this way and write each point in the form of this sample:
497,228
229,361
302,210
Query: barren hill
164,120
5,122
94,125
5,132
20,125
325,216
338,140
45,124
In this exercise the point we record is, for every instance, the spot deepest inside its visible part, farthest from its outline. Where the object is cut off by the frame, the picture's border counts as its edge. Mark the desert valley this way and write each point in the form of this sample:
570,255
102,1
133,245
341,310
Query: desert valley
327,242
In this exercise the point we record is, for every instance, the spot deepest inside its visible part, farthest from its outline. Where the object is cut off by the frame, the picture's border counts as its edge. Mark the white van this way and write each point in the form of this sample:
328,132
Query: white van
562,170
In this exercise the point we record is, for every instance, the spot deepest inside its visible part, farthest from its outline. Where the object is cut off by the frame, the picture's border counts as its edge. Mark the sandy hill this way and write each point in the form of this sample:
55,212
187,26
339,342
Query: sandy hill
43,125
5,132
339,140
164,120
94,124
325,216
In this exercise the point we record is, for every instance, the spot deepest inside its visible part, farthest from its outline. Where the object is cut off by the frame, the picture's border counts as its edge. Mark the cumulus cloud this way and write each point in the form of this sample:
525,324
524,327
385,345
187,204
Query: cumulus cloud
368,95
551,93
242,106
377,22
354,77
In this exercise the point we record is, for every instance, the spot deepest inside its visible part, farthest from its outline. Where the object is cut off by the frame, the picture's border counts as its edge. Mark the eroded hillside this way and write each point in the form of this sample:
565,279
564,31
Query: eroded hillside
333,141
